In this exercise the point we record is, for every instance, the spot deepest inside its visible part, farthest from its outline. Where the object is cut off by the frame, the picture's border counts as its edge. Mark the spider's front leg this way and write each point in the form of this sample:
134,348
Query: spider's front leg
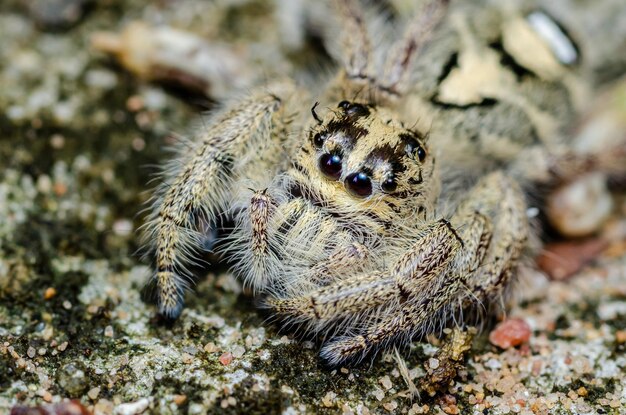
413,281
199,184
270,231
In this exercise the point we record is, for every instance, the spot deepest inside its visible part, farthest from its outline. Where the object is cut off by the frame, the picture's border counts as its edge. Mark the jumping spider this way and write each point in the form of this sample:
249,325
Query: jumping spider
345,221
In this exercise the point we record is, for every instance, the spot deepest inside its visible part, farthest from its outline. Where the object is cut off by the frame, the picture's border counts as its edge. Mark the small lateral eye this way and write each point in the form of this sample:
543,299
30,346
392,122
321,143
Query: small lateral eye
415,148
389,185
318,140
344,105
359,184
330,165
353,109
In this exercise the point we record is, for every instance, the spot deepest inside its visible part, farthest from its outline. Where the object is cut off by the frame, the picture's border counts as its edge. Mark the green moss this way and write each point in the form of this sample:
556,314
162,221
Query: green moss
594,392
617,323
302,370
9,371
254,403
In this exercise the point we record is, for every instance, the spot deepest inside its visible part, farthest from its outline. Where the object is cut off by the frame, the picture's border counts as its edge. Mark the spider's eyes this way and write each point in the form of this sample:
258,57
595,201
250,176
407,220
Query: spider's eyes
359,184
318,140
353,109
415,148
330,165
421,153
389,185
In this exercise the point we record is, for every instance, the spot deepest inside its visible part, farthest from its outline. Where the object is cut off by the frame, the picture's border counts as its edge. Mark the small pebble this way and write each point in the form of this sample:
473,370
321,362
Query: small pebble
226,358
536,367
132,408
238,351
104,406
505,384
93,393
448,404
44,184
187,358
122,227
210,347
391,406
67,305
378,394
49,293
100,78
224,403
180,399
72,378
31,352
581,207
57,141
108,331
47,333
60,189
328,399
138,144
57,14
510,333
385,381
192,350
134,103
451,410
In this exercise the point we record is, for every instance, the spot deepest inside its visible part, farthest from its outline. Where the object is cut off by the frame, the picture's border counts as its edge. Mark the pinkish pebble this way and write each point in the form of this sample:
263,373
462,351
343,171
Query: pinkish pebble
509,333
226,358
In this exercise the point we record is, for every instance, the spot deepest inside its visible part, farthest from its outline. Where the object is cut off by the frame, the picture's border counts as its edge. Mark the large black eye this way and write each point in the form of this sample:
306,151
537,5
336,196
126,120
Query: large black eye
359,184
318,140
421,153
330,165
389,185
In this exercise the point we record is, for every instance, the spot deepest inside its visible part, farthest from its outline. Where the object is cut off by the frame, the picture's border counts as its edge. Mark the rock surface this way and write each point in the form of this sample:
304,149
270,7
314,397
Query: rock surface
78,138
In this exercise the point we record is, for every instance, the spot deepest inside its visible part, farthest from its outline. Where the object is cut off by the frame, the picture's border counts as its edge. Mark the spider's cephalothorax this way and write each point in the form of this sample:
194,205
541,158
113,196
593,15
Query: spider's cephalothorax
359,157
342,222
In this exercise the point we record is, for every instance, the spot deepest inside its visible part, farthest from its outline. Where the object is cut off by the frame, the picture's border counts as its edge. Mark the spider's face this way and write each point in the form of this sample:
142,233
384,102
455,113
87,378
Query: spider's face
361,150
